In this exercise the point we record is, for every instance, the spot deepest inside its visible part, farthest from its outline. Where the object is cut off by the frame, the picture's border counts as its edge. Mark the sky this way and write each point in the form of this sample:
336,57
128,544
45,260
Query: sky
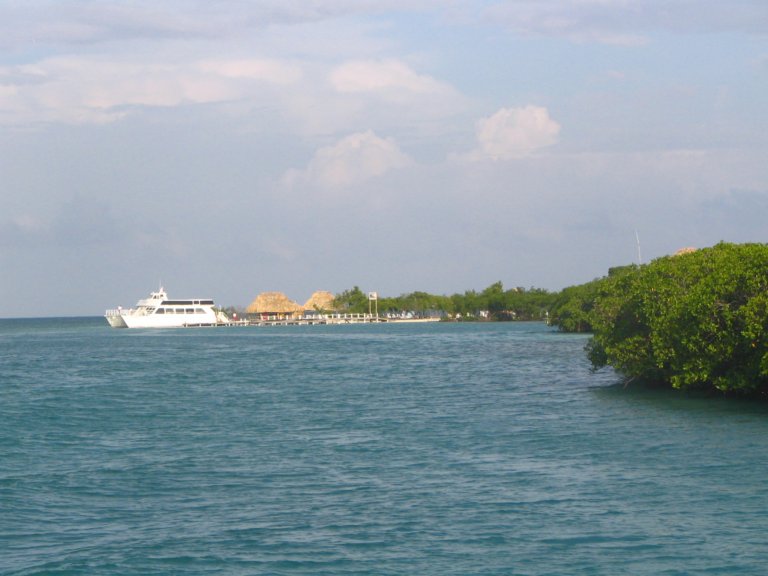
222,149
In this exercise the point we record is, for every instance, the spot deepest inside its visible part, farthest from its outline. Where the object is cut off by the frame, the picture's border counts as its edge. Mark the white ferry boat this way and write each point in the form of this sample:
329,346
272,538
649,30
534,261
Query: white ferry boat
158,311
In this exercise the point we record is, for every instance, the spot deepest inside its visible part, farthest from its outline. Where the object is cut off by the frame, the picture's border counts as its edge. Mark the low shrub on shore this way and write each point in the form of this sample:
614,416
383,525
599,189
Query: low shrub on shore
698,320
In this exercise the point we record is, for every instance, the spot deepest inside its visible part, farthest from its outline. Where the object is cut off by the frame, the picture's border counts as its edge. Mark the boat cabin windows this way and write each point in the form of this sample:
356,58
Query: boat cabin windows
178,310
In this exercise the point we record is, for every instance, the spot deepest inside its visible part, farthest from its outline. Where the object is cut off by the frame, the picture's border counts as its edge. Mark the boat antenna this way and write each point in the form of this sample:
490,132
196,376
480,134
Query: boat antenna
639,255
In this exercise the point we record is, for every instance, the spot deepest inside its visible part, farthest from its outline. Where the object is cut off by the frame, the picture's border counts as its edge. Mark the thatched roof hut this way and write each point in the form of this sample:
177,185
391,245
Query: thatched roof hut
273,303
320,300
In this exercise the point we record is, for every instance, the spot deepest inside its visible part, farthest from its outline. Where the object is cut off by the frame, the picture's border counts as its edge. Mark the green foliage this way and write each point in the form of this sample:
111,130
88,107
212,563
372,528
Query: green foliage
571,308
352,301
420,303
697,320
499,304
522,304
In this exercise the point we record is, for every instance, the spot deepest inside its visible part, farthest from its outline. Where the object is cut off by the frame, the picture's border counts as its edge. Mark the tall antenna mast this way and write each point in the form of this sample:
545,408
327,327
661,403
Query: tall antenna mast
639,255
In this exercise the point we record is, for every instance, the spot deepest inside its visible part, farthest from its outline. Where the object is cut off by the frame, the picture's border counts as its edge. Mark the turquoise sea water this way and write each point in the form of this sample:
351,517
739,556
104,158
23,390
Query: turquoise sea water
427,449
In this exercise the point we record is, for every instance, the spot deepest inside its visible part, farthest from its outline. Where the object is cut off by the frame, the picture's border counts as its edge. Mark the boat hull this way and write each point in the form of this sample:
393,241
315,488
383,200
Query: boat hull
170,320
116,320
129,320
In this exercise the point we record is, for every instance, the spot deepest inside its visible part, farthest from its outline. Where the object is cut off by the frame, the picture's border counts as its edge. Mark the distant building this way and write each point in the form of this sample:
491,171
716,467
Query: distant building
274,305
320,301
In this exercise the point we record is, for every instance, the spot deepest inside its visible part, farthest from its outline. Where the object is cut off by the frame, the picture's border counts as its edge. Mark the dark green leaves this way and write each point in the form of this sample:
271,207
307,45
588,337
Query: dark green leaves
697,320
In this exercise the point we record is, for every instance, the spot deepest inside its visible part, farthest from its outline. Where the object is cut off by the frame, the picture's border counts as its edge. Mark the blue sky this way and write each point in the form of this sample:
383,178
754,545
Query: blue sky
225,149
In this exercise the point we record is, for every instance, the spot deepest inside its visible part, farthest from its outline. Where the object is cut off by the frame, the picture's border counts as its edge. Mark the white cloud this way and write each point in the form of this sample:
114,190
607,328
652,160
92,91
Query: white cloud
515,132
353,160
273,71
388,93
382,75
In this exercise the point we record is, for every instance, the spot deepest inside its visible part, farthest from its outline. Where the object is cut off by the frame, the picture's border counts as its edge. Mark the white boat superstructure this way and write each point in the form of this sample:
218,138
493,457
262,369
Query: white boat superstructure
158,311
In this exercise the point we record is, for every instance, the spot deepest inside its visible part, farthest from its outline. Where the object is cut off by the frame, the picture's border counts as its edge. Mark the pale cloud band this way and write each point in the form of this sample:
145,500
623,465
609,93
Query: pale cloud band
83,90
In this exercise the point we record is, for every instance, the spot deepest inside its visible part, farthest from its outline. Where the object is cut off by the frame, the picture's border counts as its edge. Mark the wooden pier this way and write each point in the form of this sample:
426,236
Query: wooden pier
307,320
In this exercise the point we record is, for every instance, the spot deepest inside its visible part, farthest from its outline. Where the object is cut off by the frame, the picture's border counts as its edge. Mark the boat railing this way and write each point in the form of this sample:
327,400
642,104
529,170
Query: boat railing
118,311
348,316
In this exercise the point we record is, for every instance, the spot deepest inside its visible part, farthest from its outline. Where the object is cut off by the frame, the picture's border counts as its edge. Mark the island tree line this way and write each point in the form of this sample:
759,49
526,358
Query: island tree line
491,304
